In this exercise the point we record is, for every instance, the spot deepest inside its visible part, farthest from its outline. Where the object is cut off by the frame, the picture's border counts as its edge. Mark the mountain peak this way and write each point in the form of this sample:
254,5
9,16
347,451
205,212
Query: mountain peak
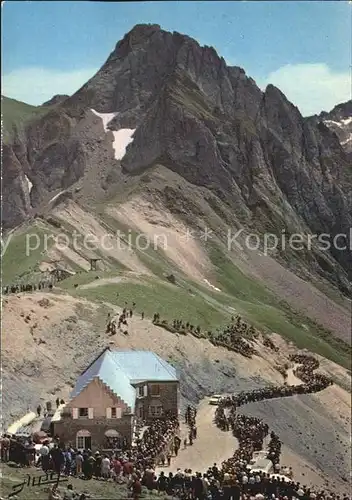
141,32
140,64
144,28
201,119
137,36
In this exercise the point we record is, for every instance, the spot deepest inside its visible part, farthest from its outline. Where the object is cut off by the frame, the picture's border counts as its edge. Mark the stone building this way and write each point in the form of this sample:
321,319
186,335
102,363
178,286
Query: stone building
115,391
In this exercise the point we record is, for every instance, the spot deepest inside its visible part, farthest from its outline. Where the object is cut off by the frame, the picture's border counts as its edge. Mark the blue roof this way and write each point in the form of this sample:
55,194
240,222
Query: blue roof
144,365
119,369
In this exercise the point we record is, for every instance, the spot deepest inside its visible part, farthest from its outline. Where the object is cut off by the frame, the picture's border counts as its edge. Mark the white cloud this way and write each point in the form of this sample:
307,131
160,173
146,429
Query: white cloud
37,85
311,87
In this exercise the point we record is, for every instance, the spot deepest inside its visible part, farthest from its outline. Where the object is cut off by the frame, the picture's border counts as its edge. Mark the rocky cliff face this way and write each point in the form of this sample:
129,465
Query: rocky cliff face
339,120
206,121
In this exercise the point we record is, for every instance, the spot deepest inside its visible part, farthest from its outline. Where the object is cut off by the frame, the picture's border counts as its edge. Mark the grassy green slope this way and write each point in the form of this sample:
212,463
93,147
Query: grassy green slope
24,249
186,300
16,114
267,312
20,258
211,310
152,295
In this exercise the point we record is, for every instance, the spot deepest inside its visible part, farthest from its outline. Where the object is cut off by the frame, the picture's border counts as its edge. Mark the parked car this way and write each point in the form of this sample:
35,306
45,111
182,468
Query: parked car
215,399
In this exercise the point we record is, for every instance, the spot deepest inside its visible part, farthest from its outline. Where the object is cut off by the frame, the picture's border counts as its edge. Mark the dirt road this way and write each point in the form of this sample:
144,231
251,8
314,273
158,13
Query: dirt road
291,377
212,445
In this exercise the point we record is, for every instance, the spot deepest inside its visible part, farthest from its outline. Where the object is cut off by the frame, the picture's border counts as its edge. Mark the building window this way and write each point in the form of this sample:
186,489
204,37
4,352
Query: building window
113,439
83,440
155,390
155,410
83,412
140,391
113,412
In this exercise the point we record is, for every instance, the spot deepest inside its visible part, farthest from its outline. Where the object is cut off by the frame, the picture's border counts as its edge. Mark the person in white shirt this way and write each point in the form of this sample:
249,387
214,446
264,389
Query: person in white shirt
113,474
79,462
206,483
44,450
44,457
105,467
251,480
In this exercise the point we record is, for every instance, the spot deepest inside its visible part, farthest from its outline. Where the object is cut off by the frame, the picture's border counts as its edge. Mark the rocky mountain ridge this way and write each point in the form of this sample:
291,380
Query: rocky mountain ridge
339,120
262,162
56,99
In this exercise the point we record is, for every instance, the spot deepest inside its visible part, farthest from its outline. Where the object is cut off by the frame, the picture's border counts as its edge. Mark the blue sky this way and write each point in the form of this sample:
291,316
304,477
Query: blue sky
302,47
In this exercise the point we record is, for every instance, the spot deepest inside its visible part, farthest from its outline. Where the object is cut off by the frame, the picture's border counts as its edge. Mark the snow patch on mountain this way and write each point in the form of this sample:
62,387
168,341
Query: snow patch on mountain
30,185
346,121
343,143
212,286
56,196
343,128
122,137
342,123
105,117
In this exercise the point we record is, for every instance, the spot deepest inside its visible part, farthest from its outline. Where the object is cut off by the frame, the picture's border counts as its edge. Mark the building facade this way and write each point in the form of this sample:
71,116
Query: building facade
118,389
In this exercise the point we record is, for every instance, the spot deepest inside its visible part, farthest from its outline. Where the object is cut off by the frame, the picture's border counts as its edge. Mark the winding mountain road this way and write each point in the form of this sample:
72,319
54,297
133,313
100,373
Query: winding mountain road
211,446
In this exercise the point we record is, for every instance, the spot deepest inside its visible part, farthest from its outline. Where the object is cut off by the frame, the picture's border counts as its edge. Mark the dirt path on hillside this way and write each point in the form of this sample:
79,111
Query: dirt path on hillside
211,446
127,277
102,282
291,377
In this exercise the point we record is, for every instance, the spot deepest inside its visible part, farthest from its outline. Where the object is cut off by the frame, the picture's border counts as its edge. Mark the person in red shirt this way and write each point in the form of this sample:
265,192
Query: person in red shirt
136,489
117,467
127,468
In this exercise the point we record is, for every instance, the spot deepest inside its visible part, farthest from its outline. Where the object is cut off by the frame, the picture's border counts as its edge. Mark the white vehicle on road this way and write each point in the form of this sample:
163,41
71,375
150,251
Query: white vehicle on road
215,399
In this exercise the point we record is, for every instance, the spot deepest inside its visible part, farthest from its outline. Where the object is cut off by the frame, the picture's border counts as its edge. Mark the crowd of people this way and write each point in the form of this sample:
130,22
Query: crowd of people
120,322
235,337
27,287
251,432
181,326
267,342
115,324
161,441
306,369
178,326
190,420
18,449
229,481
